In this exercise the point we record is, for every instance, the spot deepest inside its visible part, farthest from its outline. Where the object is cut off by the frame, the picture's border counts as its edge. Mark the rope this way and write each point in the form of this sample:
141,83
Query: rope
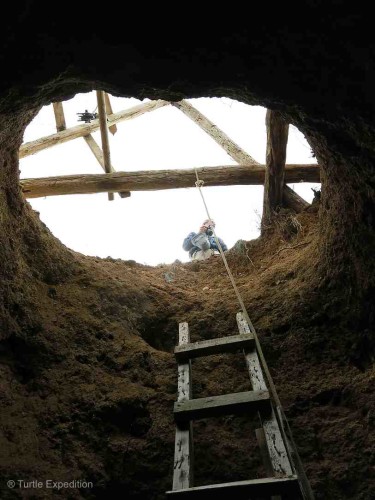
280,414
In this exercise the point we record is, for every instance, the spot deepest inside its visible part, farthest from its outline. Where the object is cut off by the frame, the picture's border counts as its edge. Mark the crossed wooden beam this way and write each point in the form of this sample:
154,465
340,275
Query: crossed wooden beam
275,174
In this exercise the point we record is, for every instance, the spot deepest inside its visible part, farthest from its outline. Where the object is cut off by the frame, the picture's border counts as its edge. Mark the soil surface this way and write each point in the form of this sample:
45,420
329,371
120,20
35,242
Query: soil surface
88,385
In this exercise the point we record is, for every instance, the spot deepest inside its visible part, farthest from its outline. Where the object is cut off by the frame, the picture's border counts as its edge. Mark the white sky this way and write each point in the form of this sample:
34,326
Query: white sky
149,227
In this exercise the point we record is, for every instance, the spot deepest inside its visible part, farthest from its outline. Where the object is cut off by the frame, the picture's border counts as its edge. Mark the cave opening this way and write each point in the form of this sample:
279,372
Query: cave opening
163,139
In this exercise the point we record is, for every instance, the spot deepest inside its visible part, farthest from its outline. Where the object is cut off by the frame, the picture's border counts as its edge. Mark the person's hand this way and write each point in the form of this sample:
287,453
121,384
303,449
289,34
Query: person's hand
202,229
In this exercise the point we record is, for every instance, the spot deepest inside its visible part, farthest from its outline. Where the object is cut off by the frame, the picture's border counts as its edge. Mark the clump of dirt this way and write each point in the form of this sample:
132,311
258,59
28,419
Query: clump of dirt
88,383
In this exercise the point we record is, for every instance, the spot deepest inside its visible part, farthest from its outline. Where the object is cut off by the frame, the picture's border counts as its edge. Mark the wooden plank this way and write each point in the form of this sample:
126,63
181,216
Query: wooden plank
213,346
95,148
183,453
104,136
109,111
238,403
151,180
59,116
32,147
277,141
262,443
233,150
242,490
276,446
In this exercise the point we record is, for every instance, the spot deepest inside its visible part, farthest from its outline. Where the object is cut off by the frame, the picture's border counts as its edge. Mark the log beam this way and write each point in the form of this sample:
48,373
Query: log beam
290,199
152,180
95,148
59,116
30,148
104,136
220,137
277,141
109,111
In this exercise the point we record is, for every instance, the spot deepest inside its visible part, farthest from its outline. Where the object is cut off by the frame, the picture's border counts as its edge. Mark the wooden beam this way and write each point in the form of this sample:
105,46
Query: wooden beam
109,111
104,136
230,147
113,130
30,148
183,451
59,116
277,141
104,131
94,146
238,403
152,180
291,198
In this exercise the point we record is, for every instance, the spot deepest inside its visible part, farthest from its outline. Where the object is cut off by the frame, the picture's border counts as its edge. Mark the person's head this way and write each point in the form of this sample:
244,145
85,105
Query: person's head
207,224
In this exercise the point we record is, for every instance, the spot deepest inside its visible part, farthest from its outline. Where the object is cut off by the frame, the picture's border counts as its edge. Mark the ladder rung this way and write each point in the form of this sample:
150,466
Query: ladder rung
241,490
248,402
184,352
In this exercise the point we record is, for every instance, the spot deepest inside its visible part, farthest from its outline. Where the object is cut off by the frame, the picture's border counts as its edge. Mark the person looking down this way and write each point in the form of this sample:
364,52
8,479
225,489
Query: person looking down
202,245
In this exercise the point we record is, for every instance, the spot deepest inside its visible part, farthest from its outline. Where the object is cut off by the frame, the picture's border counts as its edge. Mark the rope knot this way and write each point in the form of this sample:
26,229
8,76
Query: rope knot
199,183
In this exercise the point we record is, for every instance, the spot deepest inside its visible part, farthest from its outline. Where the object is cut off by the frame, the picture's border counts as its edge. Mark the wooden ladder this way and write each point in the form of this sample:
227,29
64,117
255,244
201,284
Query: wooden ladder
282,478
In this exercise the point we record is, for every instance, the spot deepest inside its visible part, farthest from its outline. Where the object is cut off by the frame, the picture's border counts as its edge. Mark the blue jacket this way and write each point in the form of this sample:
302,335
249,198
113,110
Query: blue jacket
189,247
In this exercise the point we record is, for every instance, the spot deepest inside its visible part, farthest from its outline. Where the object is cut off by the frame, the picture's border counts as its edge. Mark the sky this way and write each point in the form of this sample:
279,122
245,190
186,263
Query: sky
150,226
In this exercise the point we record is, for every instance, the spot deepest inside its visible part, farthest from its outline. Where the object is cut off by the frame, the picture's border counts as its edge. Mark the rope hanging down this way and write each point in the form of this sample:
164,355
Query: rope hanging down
280,414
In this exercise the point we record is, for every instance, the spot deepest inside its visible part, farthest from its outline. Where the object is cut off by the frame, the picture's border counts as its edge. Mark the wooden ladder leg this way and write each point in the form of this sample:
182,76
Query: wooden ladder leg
183,454
278,455
261,438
